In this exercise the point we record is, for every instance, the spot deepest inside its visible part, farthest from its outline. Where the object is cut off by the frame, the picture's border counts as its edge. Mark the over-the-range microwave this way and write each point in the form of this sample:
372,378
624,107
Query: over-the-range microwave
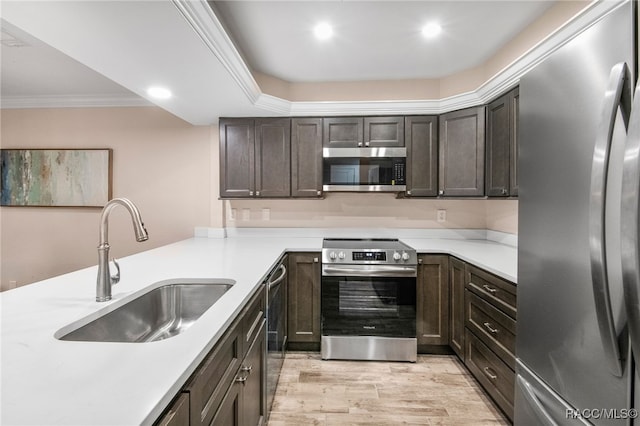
364,169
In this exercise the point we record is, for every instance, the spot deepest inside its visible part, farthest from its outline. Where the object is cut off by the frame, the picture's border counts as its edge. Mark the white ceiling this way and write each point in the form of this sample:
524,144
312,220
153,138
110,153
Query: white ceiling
102,52
373,40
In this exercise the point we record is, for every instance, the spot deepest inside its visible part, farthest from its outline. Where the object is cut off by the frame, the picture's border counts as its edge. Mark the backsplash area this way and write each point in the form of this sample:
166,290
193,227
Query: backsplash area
348,210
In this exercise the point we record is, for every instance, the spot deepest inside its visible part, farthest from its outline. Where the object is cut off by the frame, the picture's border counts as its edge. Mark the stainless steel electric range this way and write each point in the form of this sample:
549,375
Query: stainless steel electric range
368,300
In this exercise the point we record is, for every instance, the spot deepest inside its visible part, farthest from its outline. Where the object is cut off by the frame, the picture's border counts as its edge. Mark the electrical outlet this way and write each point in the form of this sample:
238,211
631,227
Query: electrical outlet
233,213
441,216
266,213
246,214
13,284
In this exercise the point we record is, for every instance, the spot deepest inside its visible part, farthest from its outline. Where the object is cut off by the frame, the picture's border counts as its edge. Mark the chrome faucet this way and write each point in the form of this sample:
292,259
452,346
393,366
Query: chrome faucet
105,279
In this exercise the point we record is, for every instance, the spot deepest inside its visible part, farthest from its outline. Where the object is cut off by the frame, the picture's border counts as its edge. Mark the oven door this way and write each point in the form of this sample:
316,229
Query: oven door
372,304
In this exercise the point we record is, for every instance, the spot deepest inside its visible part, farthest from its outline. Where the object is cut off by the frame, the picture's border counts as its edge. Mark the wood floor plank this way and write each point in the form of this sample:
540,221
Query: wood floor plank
436,390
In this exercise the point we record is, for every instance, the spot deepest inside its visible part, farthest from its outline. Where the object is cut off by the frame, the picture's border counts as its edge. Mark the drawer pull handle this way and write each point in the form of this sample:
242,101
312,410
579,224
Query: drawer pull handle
255,324
242,379
247,369
492,330
490,289
490,373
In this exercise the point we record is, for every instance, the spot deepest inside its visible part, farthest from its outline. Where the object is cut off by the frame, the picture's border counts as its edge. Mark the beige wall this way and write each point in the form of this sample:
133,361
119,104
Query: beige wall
169,168
343,210
160,162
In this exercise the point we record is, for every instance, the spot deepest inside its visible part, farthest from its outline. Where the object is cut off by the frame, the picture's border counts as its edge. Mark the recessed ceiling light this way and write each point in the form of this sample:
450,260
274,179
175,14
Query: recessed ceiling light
158,92
431,30
323,31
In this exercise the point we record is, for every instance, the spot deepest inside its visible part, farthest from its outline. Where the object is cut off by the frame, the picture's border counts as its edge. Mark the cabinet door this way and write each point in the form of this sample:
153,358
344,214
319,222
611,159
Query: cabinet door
237,157
304,299
383,131
253,389
421,137
502,145
433,300
230,411
306,157
342,132
515,120
457,278
461,146
498,146
273,157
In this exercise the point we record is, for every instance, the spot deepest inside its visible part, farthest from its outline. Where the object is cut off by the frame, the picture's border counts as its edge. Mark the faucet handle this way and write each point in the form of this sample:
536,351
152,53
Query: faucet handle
115,278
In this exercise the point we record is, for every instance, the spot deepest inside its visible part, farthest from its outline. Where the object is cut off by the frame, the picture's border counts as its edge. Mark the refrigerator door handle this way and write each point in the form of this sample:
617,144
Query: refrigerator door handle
617,96
629,216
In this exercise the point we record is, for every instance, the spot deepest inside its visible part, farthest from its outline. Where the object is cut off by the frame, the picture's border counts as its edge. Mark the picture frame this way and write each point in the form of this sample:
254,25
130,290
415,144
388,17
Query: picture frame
55,177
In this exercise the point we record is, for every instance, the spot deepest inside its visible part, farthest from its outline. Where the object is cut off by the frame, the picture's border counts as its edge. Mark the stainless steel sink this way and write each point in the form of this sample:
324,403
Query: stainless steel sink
158,314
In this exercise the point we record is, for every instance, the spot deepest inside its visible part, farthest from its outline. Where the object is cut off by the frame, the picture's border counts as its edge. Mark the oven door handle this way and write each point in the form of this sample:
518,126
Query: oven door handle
369,271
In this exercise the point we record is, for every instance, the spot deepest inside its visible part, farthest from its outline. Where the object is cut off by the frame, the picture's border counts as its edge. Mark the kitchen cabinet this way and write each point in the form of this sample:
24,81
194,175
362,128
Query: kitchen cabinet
502,145
255,158
383,132
432,305
461,139
363,132
421,138
457,279
178,412
303,310
306,157
229,385
490,320
343,132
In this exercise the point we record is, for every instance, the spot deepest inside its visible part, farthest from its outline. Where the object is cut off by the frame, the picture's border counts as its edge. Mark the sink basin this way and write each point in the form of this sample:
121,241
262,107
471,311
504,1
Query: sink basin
158,314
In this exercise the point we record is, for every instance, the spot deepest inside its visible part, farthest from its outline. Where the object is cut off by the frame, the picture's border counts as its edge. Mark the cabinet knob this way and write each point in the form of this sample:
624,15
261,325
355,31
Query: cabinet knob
315,260
441,192
409,192
504,191
251,193
318,193
257,193
359,143
366,144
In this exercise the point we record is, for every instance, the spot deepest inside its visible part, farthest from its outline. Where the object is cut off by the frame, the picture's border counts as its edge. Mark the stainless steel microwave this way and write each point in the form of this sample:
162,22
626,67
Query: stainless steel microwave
364,169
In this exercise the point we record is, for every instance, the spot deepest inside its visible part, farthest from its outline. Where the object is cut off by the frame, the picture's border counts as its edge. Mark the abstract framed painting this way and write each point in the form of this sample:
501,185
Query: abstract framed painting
55,177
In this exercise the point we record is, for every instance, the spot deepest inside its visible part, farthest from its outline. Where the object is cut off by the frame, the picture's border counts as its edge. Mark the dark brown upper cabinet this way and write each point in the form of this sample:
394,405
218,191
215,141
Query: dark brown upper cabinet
383,132
421,137
255,157
461,147
363,132
237,158
306,157
502,145
343,132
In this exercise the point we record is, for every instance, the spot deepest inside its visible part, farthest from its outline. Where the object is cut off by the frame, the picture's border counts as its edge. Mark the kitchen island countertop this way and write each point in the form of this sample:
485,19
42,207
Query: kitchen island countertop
46,381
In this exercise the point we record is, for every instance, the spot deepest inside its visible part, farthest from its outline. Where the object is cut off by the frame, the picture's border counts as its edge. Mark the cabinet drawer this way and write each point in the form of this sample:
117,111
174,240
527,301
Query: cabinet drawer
494,375
498,292
494,328
252,318
212,380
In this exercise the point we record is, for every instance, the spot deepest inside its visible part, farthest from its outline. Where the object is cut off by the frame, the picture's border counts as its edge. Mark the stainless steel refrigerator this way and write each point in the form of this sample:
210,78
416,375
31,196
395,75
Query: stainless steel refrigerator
578,306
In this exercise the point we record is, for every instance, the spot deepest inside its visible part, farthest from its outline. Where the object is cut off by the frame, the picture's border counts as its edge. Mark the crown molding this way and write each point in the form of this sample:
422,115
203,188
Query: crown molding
72,101
207,25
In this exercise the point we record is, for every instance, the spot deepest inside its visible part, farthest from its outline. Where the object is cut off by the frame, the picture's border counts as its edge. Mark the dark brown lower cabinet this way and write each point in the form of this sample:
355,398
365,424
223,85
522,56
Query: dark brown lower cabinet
228,388
490,320
178,412
303,310
432,290
457,280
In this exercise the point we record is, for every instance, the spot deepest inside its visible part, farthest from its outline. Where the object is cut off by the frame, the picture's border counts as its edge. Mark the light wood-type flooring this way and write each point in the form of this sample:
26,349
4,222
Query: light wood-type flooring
436,390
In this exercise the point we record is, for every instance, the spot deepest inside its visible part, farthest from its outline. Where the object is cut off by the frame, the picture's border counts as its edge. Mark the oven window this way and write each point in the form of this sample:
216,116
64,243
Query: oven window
360,306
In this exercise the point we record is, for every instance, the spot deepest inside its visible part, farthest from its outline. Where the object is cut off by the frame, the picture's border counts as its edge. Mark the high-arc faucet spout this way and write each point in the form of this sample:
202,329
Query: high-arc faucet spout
105,279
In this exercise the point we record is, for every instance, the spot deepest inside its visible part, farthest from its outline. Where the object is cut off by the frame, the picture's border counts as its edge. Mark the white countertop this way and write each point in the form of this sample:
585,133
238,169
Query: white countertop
46,381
